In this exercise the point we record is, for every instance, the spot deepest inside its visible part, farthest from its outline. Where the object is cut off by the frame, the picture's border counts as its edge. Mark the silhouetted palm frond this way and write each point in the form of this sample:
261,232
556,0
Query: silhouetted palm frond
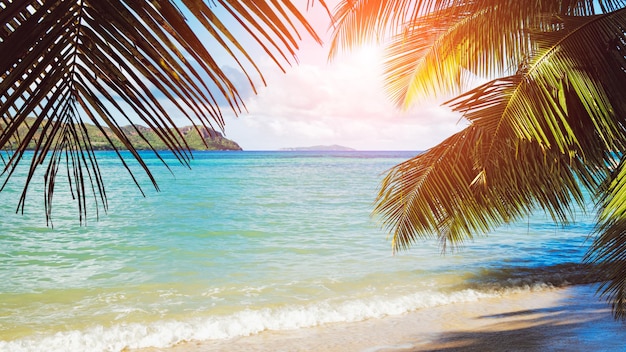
114,62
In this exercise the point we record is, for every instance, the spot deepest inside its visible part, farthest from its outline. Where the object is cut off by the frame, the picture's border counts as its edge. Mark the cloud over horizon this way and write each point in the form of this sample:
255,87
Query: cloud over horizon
316,102
341,102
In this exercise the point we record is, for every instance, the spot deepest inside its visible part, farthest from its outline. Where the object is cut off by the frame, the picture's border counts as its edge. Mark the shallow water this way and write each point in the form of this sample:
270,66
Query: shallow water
241,243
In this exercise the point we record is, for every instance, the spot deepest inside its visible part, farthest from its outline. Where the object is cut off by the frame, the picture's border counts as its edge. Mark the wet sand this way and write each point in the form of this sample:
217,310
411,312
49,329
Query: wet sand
564,319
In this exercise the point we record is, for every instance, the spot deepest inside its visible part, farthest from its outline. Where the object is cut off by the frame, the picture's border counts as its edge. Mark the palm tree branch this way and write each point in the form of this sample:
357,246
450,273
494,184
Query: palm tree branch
68,61
608,250
551,72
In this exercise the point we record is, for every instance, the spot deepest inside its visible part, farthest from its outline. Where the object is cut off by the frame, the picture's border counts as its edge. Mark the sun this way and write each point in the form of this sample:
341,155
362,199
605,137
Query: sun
368,54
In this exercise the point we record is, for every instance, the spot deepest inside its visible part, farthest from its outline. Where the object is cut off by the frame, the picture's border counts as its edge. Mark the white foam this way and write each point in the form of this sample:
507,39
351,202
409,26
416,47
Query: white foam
246,322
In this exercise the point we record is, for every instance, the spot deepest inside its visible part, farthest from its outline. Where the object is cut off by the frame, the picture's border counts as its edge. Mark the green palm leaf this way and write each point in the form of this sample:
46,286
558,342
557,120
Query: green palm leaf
112,62
576,79
439,52
479,178
548,124
608,250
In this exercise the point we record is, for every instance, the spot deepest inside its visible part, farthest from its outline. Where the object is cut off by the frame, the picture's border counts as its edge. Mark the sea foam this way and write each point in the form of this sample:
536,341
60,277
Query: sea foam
166,333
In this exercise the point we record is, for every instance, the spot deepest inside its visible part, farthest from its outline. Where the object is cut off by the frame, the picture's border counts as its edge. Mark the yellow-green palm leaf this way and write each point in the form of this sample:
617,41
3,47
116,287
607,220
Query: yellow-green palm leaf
479,178
549,123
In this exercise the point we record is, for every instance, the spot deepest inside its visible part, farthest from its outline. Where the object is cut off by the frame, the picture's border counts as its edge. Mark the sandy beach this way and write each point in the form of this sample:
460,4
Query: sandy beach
563,319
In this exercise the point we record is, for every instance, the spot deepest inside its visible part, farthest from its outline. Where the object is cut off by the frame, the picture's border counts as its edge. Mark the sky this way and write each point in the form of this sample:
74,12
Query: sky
317,102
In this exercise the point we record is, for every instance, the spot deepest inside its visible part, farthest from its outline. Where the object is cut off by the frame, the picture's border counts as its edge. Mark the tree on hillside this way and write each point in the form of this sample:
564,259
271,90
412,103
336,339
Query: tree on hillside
114,62
550,121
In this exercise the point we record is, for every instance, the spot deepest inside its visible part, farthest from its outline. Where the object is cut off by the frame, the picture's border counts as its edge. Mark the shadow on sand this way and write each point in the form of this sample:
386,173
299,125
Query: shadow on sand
580,322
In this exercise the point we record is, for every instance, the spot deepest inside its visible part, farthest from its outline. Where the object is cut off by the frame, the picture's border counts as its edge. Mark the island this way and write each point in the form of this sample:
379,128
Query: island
197,137
325,148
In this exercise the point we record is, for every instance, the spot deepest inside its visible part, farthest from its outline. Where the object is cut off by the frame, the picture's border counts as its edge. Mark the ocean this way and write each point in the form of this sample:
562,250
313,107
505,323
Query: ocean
241,243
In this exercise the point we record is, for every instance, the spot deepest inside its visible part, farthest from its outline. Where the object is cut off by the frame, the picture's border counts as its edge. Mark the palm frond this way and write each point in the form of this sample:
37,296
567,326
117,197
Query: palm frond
361,21
474,181
608,250
440,51
495,151
434,43
112,62
433,57
548,124
577,78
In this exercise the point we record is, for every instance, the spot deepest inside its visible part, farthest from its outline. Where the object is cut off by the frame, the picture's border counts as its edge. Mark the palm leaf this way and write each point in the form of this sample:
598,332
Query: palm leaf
576,79
572,142
536,137
439,52
608,251
479,178
112,62
357,22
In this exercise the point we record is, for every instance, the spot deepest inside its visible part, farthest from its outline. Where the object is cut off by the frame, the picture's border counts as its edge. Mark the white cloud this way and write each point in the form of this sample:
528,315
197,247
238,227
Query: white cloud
342,102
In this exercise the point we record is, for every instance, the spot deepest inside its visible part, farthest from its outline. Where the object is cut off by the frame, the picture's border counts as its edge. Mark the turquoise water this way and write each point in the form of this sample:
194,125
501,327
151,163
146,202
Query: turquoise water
241,243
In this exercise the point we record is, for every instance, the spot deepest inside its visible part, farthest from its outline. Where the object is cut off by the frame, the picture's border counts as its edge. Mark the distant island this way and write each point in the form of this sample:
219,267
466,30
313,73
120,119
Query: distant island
197,137
334,148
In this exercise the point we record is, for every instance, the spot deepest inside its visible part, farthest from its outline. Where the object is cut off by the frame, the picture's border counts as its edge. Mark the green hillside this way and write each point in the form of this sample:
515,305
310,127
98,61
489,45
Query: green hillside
214,140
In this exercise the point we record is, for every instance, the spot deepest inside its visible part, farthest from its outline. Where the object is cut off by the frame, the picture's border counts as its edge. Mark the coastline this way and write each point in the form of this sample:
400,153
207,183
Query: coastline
571,318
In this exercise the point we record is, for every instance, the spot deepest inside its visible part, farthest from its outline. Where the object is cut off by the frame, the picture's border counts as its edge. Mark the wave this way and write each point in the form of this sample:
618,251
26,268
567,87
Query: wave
167,333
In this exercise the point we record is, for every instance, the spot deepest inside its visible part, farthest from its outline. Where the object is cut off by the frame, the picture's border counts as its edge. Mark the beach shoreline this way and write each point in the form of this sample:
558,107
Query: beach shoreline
571,318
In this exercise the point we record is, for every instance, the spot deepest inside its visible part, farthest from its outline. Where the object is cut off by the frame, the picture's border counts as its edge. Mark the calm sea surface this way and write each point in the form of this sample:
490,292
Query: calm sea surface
241,243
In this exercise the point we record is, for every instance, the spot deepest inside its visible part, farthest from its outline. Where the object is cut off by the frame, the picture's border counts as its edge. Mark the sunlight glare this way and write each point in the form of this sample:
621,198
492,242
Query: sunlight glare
368,55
